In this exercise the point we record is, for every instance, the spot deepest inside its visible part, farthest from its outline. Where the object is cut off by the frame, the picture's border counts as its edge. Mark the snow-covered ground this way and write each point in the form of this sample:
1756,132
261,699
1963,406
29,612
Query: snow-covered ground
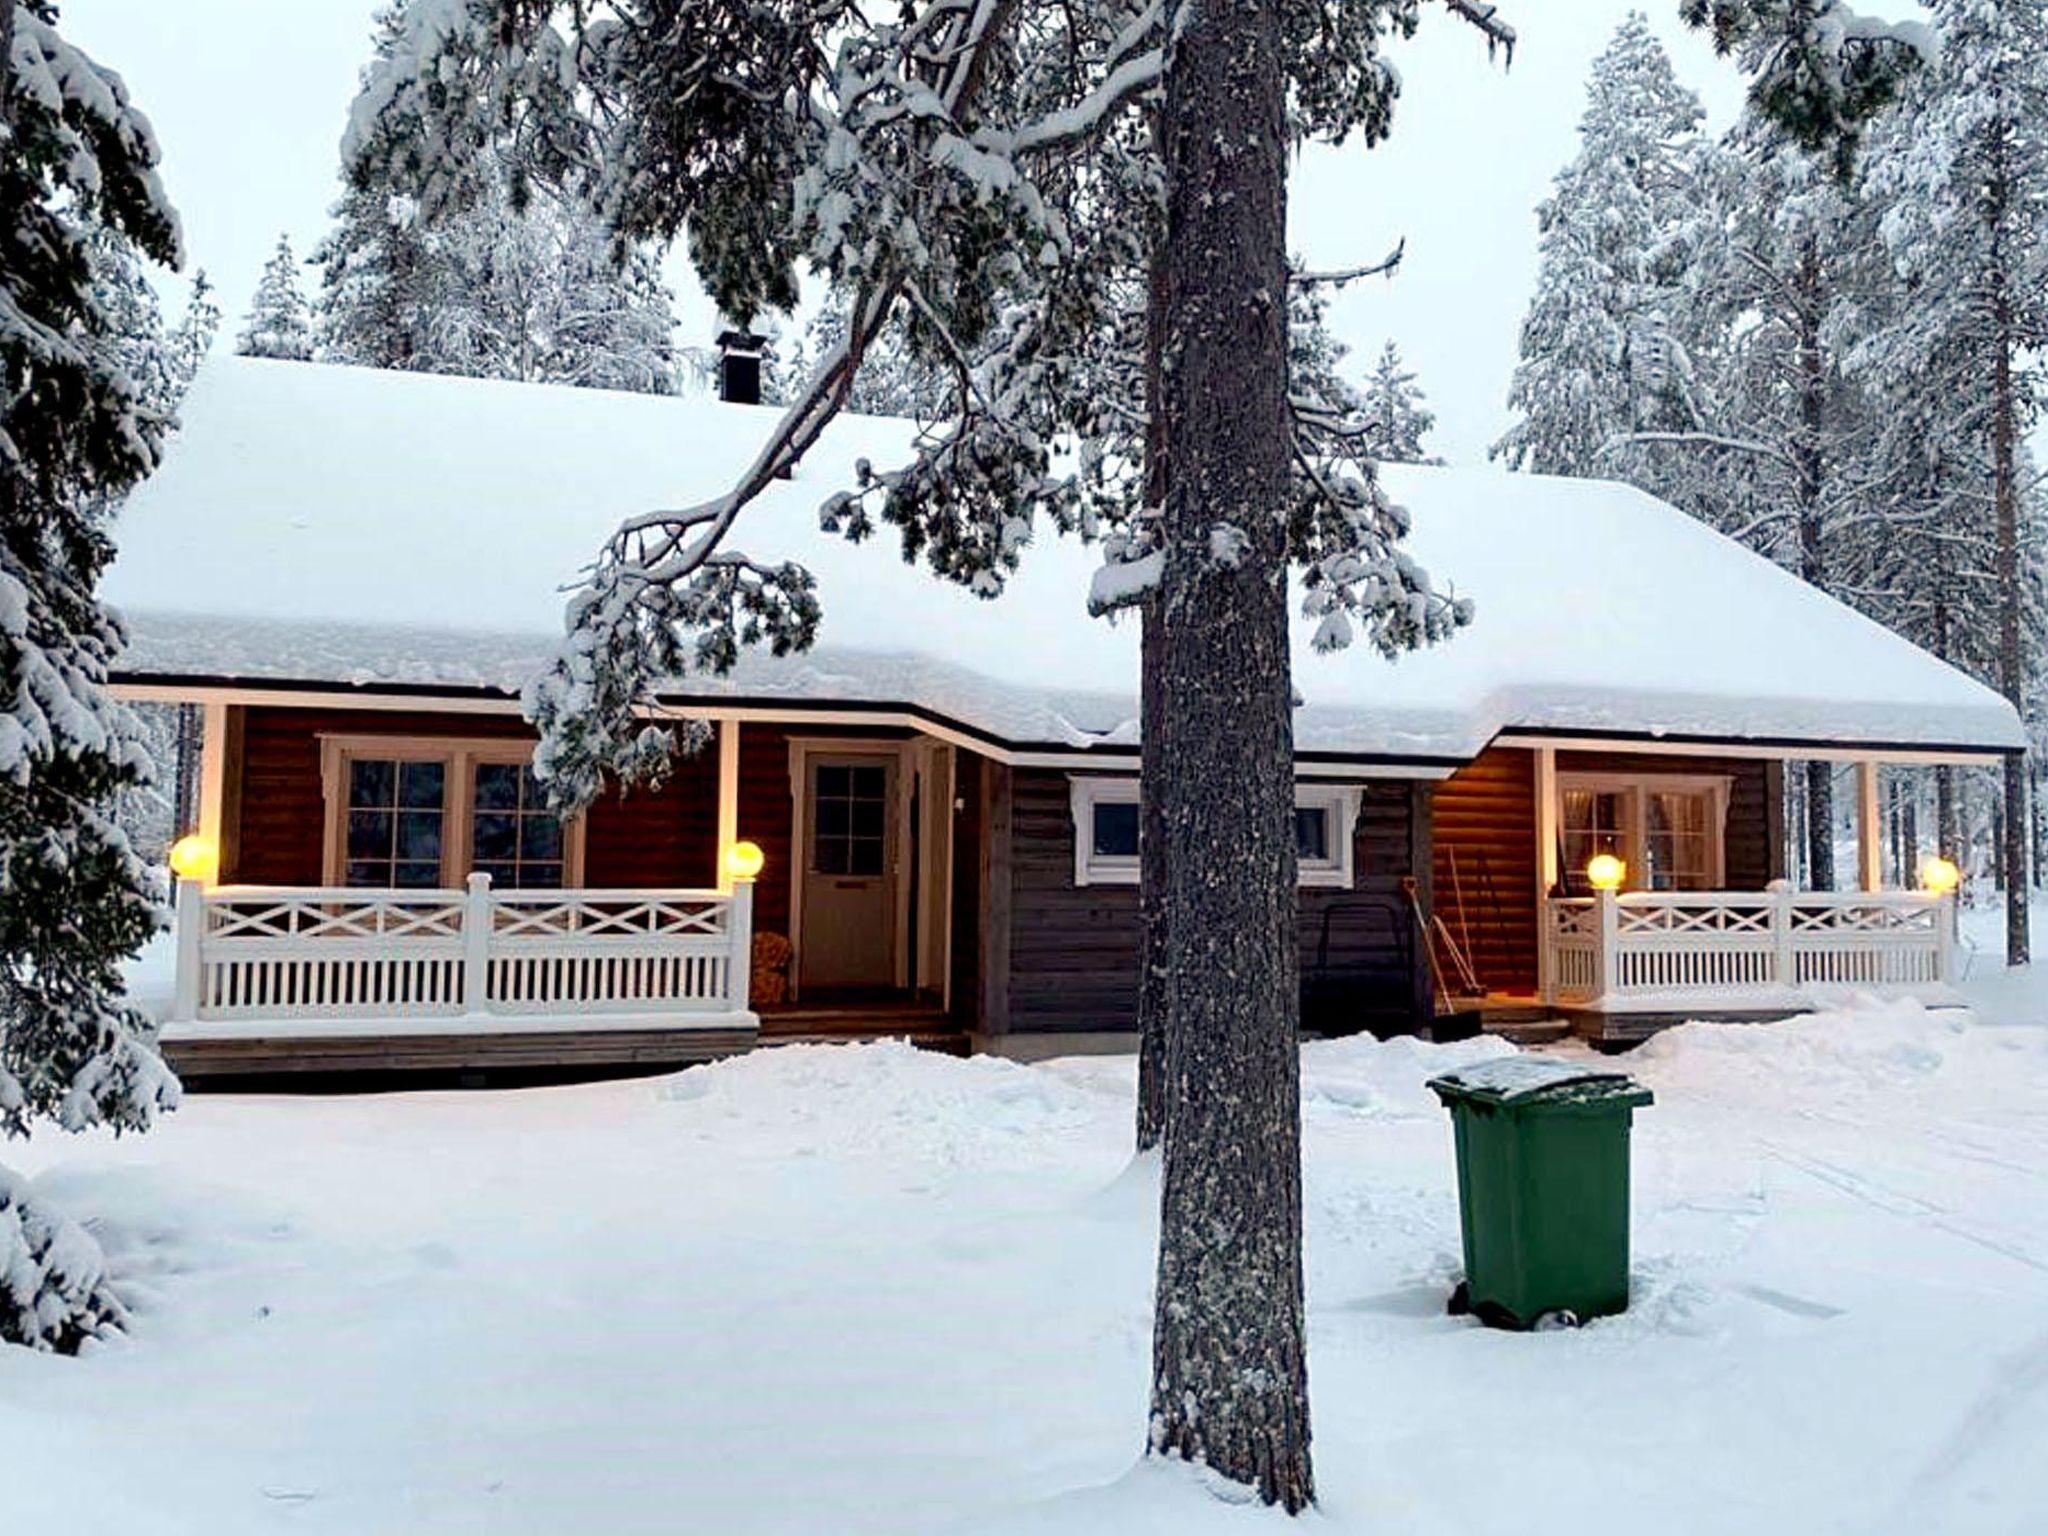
853,1290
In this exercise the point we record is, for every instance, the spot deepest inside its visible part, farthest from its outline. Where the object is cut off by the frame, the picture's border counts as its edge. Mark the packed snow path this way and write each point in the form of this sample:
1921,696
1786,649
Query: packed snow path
866,1290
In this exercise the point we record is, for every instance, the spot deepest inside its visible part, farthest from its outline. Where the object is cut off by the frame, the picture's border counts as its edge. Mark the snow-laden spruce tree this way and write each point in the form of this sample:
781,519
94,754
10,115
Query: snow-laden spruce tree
1601,359
76,161
513,282
280,324
1966,175
1394,408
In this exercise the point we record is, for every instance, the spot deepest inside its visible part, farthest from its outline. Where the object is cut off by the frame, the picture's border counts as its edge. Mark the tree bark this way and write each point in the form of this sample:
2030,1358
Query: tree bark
1230,1375
1155,969
1813,562
2006,566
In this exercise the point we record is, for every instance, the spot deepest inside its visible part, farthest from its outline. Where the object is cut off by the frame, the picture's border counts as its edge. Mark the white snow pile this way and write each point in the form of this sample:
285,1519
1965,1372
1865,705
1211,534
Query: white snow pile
867,1291
53,1285
325,524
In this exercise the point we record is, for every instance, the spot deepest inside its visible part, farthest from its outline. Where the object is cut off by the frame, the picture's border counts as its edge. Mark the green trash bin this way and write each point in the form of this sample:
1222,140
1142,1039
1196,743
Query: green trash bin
1542,1188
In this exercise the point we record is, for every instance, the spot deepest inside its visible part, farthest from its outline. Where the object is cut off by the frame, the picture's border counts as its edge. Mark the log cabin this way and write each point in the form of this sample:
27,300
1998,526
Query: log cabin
927,825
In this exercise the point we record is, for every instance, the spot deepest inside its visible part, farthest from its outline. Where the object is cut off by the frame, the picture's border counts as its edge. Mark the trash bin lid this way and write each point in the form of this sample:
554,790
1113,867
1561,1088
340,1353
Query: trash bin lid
1530,1079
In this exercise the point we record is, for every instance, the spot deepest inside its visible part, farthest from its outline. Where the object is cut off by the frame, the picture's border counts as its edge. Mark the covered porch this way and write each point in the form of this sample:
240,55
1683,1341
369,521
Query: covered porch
373,889
1638,924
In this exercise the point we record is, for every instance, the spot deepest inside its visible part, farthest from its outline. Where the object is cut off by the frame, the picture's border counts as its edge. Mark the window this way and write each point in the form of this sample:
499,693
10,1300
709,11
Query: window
396,815
411,813
514,837
1106,832
850,819
1667,828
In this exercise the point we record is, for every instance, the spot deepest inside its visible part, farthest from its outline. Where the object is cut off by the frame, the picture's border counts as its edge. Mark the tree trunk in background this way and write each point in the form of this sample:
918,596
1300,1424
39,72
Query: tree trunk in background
1813,562
1820,825
1230,1370
2012,660
1155,969
1909,866
1948,827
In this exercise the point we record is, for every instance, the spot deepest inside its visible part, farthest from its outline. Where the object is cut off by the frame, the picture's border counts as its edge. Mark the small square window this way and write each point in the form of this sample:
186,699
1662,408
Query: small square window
1116,829
1312,834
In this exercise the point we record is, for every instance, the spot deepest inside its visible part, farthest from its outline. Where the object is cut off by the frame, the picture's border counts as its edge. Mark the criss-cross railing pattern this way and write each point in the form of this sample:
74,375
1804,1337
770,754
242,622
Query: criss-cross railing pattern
1704,946
262,952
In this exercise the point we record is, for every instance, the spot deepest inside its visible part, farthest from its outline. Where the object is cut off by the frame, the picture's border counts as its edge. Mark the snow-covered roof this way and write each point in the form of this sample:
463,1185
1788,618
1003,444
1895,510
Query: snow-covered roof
318,525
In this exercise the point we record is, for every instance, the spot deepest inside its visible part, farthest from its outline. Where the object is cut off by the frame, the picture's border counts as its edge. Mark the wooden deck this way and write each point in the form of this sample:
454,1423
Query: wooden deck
304,1061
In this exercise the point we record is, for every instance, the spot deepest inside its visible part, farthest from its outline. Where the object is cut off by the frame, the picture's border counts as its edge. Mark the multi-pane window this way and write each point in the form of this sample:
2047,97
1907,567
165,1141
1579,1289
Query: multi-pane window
850,819
1666,829
397,814
423,813
1595,821
514,837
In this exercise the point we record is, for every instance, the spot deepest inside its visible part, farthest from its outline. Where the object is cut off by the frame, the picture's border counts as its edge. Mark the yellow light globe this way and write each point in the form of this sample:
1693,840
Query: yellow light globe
1939,876
194,857
1604,872
743,861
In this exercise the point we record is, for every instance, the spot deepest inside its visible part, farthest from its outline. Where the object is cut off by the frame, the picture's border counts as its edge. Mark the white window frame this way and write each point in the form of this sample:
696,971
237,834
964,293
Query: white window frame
1636,788
460,755
1339,801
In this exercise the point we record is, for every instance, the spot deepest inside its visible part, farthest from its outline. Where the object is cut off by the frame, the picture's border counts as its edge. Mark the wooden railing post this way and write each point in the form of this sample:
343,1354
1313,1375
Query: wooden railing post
1784,963
476,945
739,922
1945,940
1607,969
189,919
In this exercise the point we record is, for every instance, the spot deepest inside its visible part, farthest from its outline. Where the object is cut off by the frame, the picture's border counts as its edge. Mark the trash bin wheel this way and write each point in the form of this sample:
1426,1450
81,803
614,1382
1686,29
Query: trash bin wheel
1551,1322
1460,1304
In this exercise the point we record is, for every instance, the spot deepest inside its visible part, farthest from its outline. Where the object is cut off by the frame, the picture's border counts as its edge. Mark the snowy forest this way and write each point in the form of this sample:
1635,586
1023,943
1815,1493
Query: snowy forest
1833,359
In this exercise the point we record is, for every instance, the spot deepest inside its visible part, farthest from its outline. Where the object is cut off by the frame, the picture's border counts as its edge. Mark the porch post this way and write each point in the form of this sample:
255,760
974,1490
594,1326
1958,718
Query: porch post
190,918
1869,841
213,771
1546,870
1608,905
476,945
728,798
1945,943
740,960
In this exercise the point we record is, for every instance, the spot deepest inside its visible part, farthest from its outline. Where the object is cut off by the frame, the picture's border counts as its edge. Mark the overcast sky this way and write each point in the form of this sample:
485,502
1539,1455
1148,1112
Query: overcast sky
248,98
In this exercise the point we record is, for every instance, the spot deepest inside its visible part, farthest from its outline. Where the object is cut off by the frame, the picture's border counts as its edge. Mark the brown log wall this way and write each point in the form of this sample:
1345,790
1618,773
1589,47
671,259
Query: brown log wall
1072,951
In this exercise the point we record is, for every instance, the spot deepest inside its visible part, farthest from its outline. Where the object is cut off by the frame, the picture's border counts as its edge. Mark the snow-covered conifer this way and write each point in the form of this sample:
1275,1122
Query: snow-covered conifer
1600,360
1397,419
79,163
280,325
1966,172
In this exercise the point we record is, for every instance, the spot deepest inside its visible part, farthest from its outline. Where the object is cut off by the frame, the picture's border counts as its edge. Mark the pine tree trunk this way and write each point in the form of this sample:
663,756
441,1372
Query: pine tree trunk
1948,824
1230,1370
1820,825
1155,970
2006,566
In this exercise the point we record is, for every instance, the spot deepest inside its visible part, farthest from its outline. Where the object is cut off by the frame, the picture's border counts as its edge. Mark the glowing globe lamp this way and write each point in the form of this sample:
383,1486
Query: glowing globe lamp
194,857
1604,872
1940,876
743,861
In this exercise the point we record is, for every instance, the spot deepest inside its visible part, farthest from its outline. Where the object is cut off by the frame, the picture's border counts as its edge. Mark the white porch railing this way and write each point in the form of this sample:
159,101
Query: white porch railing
304,953
1650,949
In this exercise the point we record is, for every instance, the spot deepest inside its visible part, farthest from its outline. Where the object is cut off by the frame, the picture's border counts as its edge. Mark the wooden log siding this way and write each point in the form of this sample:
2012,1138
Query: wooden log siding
1072,962
661,837
1486,821
969,796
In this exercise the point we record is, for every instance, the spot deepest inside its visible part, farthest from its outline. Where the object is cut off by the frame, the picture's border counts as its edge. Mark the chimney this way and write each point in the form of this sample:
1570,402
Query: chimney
739,366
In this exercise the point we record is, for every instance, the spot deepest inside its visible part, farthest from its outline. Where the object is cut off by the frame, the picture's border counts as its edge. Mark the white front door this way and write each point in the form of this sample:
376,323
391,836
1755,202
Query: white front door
849,875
